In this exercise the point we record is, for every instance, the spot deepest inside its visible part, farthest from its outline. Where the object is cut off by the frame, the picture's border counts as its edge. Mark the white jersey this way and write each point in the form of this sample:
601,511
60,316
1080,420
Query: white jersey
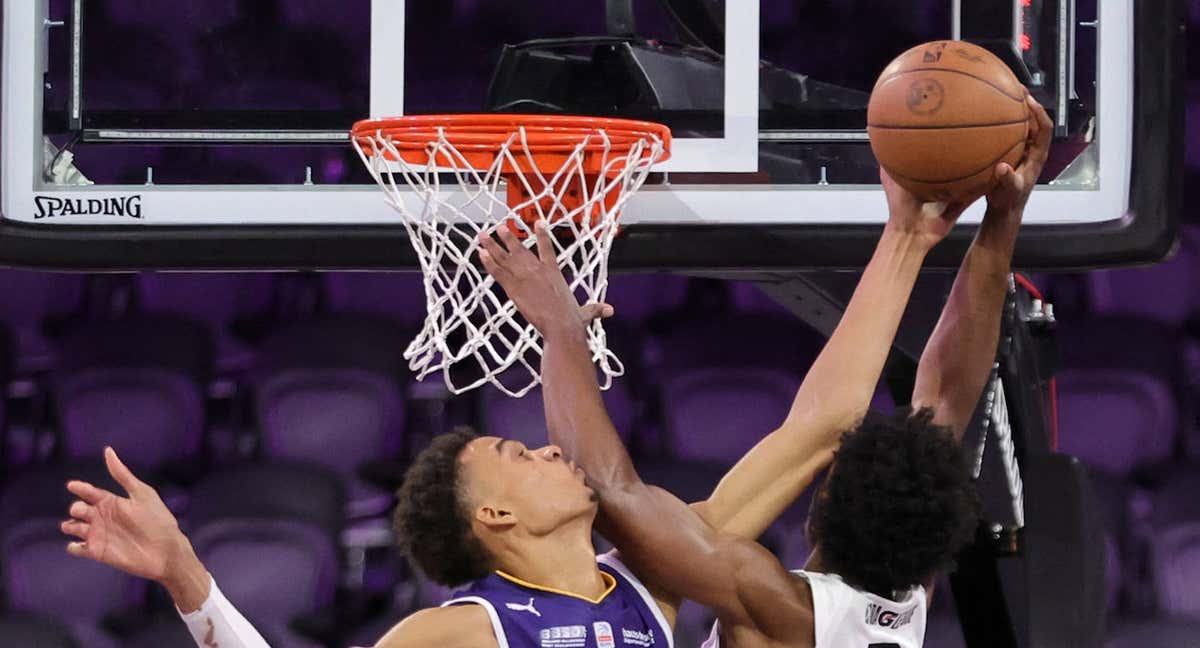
849,618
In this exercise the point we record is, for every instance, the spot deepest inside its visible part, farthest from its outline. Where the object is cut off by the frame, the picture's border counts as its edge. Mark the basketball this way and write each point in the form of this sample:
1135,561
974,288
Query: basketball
943,115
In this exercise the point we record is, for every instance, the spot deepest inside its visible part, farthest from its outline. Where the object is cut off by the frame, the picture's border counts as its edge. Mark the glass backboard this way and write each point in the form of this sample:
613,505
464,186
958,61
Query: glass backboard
213,134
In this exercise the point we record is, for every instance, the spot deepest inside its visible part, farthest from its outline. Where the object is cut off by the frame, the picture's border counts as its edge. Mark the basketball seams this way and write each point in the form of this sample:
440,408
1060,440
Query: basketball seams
953,180
1013,122
951,71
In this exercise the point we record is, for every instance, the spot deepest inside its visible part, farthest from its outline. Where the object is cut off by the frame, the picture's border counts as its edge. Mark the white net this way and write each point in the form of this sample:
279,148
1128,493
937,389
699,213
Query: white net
472,333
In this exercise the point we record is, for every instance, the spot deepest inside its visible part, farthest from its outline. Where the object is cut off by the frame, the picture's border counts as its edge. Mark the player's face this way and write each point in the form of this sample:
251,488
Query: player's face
540,488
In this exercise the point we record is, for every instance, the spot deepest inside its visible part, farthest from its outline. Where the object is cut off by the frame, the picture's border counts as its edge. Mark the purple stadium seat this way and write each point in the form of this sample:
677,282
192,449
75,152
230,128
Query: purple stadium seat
217,299
29,298
28,630
305,412
273,547
1159,633
1168,292
719,414
272,570
333,383
151,415
1116,420
524,419
398,296
1175,543
134,383
38,576
1119,407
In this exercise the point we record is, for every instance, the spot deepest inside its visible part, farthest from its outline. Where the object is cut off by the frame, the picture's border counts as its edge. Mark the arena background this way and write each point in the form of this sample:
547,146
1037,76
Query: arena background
213,384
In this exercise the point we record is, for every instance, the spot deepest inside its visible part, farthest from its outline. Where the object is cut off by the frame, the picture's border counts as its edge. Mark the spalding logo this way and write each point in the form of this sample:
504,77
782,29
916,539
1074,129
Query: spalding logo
119,206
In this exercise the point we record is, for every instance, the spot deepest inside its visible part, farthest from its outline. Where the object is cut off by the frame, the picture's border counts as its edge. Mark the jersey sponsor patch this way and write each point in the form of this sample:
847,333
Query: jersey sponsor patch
564,637
635,638
885,618
604,635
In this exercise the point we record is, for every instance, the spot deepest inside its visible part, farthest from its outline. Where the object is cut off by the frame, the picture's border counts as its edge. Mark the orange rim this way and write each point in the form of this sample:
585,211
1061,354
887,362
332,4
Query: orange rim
547,141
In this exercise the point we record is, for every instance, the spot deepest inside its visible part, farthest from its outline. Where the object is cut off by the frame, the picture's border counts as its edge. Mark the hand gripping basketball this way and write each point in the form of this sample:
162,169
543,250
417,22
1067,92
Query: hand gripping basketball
1015,185
929,222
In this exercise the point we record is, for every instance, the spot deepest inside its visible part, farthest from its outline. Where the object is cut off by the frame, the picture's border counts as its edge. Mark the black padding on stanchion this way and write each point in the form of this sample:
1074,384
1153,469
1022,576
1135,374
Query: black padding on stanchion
1064,554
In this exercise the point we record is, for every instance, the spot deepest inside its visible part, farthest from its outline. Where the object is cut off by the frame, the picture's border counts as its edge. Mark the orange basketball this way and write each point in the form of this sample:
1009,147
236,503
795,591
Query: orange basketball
943,115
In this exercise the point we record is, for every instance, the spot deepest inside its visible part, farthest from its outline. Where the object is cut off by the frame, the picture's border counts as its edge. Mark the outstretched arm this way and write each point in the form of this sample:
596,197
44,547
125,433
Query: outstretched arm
658,535
837,389
138,535
959,356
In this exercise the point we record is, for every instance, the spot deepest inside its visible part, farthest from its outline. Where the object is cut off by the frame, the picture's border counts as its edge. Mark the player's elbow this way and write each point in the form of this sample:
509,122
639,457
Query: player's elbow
614,480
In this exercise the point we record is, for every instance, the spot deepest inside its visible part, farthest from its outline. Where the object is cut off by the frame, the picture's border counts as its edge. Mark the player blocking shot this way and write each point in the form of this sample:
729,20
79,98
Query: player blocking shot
898,503
515,523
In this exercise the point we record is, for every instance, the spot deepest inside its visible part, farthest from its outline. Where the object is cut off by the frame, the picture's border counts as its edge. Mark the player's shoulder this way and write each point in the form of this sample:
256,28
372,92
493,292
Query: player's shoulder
667,602
456,626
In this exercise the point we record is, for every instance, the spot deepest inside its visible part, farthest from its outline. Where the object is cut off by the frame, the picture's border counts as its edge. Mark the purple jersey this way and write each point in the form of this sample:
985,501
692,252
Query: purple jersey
527,616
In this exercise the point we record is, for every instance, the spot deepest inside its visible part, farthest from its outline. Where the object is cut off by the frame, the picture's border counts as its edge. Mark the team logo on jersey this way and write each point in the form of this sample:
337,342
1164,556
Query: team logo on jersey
604,635
524,608
635,638
885,618
564,637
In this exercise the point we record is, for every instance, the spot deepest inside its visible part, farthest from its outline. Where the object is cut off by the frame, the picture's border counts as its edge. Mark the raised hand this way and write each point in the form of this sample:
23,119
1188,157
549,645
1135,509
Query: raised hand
535,284
1010,196
929,222
136,534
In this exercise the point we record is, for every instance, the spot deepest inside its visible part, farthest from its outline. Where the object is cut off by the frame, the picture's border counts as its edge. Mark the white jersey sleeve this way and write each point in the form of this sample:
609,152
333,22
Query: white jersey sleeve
218,623
849,618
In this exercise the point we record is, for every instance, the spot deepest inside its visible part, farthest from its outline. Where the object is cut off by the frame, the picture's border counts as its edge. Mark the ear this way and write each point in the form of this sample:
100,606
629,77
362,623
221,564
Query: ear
496,519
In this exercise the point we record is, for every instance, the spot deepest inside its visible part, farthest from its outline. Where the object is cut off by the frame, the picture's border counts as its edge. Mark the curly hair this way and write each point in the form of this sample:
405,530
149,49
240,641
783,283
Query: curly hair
898,505
431,520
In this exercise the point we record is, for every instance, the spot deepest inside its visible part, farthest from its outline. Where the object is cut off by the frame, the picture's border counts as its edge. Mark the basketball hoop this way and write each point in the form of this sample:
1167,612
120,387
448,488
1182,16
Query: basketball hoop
572,173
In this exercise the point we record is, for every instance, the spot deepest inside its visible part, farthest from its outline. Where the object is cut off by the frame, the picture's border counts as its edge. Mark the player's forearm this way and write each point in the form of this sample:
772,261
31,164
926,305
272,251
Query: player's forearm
835,394
210,618
838,388
186,580
959,355
576,417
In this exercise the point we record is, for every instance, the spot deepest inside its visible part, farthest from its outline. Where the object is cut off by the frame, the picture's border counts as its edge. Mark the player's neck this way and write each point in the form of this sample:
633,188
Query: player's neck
564,560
